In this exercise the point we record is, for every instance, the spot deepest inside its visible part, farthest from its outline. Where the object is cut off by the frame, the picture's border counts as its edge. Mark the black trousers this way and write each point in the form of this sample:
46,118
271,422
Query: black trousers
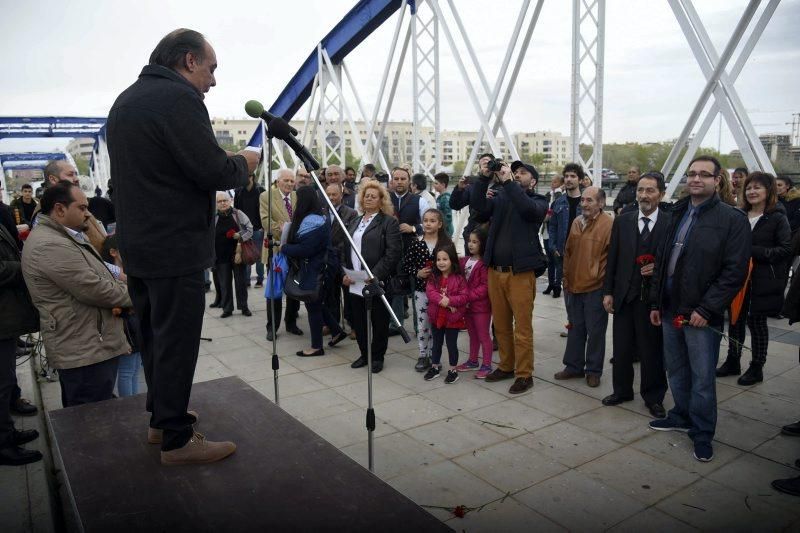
170,312
88,384
292,309
380,326
634,334
8,380
332,297
231,276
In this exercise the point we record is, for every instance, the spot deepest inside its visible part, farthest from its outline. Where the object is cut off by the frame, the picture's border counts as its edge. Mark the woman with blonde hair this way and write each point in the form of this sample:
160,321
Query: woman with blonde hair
376,235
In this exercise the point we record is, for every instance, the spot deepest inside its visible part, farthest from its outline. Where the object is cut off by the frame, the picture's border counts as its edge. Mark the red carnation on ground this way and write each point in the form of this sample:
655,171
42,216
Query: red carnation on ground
460,511
230,233
645,259
679,321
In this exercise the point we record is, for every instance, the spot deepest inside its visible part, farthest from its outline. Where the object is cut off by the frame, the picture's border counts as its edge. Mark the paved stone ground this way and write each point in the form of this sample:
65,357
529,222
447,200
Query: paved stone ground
550,459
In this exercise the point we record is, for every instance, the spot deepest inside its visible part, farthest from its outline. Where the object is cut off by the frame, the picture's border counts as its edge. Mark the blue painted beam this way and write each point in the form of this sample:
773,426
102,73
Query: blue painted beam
31,156
355,26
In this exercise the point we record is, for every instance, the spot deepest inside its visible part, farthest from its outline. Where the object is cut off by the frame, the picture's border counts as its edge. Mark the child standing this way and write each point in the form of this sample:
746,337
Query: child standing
479,310
129,364
447,303
418,261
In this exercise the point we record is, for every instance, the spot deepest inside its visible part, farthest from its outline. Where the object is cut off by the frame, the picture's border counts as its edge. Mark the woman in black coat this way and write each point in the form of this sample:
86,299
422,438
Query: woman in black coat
309,244
771,252
18,316
376,233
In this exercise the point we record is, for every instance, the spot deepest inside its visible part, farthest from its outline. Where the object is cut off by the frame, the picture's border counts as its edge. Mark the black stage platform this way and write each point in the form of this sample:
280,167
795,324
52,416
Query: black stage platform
283,476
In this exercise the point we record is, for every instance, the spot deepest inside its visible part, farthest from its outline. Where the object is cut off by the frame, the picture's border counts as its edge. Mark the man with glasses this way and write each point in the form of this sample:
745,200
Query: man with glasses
701,267
627,195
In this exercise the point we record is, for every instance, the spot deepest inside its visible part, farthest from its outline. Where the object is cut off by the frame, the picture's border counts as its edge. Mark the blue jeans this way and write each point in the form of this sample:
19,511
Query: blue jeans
258,239
690,357
128,374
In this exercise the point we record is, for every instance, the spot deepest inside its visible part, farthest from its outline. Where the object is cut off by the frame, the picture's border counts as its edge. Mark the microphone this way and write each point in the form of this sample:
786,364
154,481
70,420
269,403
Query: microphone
255,109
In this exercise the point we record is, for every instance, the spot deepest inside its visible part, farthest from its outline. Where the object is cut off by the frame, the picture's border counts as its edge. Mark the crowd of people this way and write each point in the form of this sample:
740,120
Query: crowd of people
671,274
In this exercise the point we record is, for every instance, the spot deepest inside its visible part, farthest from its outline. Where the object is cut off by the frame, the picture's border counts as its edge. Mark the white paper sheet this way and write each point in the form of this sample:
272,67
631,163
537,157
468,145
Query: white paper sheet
359,278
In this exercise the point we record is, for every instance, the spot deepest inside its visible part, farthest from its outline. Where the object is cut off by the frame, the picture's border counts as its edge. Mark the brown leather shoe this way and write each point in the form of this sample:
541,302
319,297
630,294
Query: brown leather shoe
155,435
521,385
566,374
593,380
198,451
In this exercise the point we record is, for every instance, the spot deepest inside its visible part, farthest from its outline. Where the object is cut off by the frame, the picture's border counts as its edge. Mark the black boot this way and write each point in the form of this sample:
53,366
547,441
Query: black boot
557,292
730,367
548,290
423,364
753,375
14,455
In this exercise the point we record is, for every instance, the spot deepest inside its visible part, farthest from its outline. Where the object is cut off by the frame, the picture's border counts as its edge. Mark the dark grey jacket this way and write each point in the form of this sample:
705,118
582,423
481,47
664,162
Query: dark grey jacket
713,265
18,316
165,168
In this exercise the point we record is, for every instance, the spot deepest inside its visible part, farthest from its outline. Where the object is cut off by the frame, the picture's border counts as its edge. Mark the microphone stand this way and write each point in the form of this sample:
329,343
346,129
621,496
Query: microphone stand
372,289
270,254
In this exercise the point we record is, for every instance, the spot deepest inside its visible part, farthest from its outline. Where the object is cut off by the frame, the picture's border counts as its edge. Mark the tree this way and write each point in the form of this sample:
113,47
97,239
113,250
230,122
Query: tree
83,165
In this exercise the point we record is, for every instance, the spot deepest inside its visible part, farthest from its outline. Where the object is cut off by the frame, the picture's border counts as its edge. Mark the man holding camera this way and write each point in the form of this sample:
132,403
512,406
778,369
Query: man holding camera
514,257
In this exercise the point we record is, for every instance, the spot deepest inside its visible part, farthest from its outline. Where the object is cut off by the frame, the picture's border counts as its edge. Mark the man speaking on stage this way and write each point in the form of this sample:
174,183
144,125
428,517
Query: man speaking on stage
165,168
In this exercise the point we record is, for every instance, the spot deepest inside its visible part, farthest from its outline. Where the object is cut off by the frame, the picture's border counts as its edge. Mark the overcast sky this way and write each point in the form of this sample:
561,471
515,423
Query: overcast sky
74,58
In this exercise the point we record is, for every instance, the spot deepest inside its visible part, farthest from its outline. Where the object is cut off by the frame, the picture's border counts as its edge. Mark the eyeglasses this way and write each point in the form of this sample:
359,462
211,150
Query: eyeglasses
702,174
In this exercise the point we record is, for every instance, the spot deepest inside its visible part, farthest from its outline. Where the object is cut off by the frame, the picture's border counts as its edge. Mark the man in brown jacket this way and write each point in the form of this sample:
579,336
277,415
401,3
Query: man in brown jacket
585,256
75,294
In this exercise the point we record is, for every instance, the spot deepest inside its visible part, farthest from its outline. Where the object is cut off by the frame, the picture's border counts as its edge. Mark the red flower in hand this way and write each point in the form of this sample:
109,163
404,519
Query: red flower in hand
568,325
278,269
23,235
230,233
428,264
460,511
645,259
679,321
550,212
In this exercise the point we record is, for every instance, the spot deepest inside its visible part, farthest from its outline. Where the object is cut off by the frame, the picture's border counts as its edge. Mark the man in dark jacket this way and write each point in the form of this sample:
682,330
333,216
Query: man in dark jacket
627,195
25,205
246,199
102,208
514,257
634,235
17,317
333,291
408,209
460,197
702,268
790,199
162,148
565,209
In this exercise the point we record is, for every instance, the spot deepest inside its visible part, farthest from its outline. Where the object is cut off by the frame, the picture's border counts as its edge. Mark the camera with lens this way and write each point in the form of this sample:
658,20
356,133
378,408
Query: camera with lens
495,165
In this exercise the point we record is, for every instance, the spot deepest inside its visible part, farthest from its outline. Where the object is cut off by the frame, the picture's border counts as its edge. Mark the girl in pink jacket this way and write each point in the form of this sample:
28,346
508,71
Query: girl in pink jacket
447,304
479,310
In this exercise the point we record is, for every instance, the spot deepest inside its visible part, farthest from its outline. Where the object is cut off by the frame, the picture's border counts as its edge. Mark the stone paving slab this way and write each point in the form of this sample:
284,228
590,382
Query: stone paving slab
552,459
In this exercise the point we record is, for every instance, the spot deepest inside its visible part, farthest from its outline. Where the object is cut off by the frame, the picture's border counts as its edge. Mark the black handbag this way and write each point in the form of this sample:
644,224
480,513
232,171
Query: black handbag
297,272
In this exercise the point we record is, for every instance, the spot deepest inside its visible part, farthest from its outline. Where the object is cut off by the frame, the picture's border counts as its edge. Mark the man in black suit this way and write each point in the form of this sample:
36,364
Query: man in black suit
333,295
166,167
408,209
635,235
